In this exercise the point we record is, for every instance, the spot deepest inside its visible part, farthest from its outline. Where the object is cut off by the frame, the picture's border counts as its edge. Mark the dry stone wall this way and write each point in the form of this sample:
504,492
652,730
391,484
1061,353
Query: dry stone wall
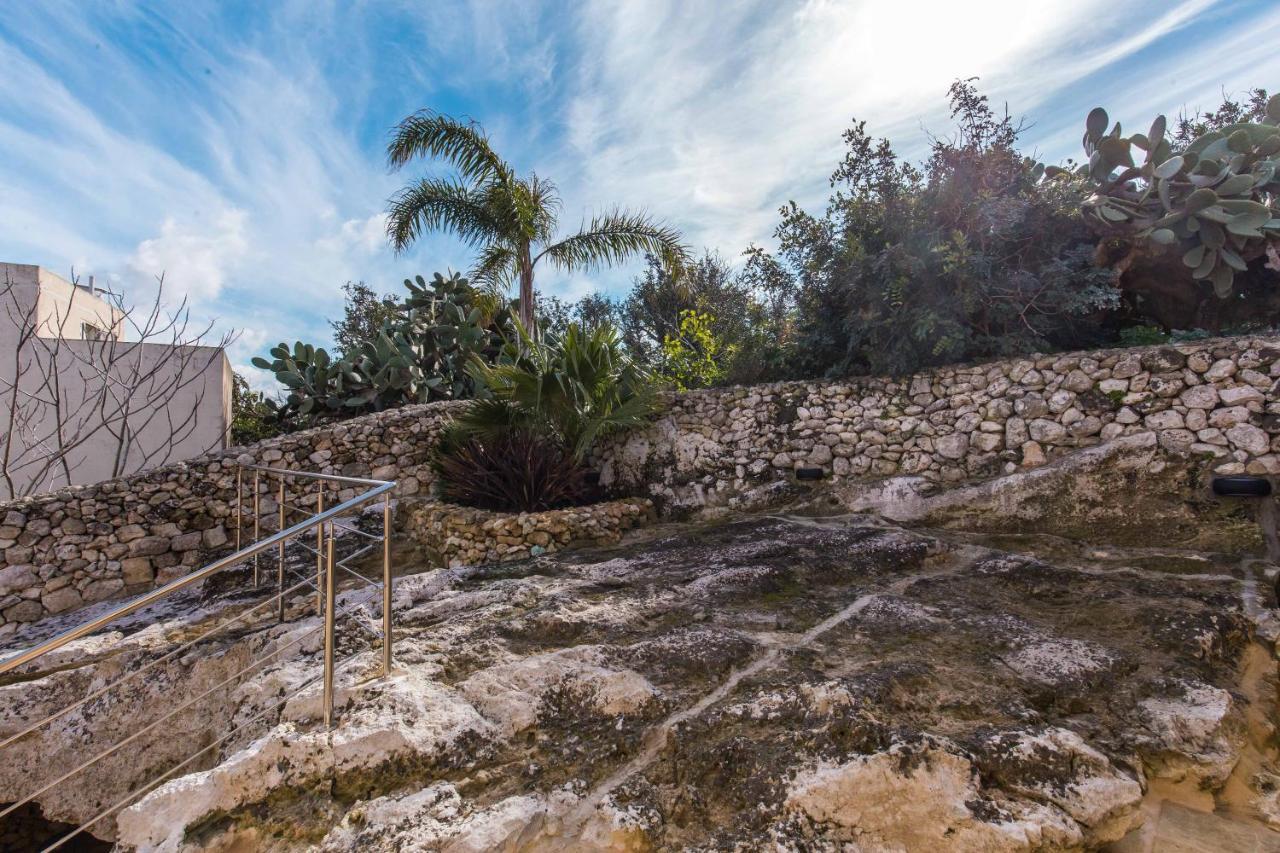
721,447
83,544
714,448
463,536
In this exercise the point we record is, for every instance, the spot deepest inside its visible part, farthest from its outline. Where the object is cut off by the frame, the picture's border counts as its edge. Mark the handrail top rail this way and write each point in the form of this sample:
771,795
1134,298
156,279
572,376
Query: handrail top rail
146,599
311,475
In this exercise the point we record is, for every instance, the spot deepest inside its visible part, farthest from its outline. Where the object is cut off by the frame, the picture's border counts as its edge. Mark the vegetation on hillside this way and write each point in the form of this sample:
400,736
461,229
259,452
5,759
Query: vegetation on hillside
1191,224
978,251
363,315
253,418
981,251
418,354
969,255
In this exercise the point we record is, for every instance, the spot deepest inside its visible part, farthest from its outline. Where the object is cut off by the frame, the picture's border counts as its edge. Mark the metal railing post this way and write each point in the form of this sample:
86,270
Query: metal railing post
280,555
328,632
320,554
257,526
386,586
327,565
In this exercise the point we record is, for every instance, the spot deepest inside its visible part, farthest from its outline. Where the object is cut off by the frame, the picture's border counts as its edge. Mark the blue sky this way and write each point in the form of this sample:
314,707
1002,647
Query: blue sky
237,147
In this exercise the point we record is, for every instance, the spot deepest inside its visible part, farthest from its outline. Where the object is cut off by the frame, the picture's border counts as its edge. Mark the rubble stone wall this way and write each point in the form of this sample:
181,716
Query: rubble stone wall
713,448
1215,398
463,536
81,544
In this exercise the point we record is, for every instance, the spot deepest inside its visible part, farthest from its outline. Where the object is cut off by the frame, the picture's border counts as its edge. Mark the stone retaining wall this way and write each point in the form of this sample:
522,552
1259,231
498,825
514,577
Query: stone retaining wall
719,447
87,543
723,447
463,536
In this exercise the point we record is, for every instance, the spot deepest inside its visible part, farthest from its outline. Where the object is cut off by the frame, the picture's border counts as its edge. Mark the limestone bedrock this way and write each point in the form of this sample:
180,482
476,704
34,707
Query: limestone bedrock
791,681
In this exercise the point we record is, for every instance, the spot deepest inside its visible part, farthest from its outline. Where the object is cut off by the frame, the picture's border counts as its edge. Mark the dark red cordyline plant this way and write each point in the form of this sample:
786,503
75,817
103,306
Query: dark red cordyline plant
514,471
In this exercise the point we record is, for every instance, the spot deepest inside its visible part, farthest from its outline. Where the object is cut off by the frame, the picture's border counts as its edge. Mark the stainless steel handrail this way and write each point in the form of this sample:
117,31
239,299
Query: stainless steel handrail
137,673
154,783
54,643
312,475
325,585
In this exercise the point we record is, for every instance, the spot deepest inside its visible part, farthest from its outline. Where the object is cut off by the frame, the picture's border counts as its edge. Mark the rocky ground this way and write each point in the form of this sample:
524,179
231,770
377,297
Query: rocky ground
789,682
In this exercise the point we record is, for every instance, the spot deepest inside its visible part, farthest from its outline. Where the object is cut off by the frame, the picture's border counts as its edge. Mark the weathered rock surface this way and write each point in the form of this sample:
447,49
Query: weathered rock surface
790,683
1125,492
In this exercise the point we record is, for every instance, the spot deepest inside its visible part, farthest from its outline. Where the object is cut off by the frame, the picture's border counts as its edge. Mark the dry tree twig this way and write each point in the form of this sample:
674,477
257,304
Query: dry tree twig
126,401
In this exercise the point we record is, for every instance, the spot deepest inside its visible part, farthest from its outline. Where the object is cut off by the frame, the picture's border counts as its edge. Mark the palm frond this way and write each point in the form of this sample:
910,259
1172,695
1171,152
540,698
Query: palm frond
495,269
505,206
543,207
427,133
612,238
578,388
439,204
630,413
485,418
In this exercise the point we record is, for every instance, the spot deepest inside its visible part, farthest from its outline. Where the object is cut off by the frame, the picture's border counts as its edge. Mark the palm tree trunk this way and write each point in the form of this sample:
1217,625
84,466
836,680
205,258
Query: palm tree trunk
526,289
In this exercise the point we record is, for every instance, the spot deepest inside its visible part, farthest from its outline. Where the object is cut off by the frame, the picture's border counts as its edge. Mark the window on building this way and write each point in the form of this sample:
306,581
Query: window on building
90,332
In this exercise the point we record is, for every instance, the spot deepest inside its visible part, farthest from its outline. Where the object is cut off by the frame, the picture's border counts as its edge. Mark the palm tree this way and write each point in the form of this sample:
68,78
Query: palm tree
510,220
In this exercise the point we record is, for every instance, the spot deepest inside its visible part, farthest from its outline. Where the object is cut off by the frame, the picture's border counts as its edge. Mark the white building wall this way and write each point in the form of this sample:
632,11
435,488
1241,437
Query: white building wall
65,310
79,410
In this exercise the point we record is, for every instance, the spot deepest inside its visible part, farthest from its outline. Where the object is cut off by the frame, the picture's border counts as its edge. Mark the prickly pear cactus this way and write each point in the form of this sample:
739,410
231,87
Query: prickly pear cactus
419,357
1217,202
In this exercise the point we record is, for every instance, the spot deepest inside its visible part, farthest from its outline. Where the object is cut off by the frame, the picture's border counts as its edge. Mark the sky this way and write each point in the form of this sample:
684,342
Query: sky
238,148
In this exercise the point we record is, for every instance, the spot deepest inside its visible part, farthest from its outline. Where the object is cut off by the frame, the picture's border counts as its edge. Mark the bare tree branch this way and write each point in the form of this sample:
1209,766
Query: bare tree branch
129,400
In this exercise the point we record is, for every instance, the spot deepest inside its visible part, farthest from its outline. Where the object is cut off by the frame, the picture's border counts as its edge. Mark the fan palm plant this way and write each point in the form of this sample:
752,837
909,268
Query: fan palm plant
575,389
525,445
510,220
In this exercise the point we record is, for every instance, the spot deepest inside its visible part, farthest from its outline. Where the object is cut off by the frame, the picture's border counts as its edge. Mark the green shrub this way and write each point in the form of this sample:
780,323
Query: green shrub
971,255
1141,336
253,418
574,389
552,399
694,357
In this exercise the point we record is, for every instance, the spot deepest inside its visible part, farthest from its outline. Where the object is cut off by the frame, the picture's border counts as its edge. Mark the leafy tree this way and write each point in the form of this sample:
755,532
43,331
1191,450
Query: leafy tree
694,358
595,310
363,314
654,309
253,418
969,255
767,352
1190,127
511,220
554,314
590,312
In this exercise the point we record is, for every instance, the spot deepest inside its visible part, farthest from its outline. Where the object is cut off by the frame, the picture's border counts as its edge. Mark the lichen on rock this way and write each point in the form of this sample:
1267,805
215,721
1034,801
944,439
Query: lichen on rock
790,682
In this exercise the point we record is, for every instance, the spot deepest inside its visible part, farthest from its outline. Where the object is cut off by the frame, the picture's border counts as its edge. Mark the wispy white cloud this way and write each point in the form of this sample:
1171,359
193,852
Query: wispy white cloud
267,216
244,158
1240,56
716,117
368,235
